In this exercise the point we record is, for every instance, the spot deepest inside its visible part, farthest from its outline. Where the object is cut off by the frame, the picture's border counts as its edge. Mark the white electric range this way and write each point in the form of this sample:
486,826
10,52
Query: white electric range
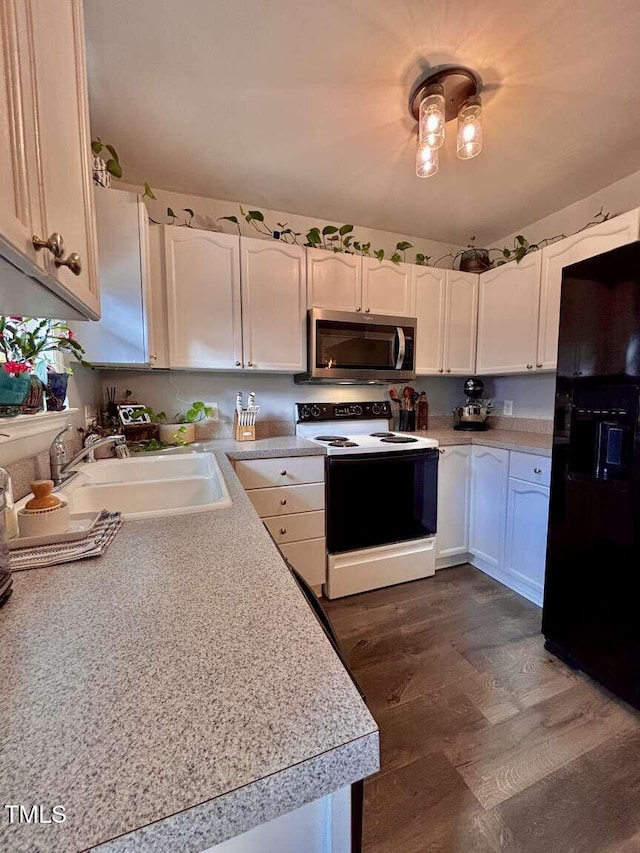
381,496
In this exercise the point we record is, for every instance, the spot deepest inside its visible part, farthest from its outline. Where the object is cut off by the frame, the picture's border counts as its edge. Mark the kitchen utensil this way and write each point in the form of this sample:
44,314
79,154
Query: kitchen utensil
394,397
42,499
473,414
407,396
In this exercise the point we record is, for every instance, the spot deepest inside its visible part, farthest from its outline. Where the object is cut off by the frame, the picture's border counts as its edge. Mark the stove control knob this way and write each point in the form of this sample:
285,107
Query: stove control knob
375,409
304,413
357,410
315,411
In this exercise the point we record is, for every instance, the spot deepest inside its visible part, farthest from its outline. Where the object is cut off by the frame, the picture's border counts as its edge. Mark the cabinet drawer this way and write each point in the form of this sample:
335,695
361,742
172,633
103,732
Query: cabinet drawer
285,471
530,467
287,499
309,558
294,528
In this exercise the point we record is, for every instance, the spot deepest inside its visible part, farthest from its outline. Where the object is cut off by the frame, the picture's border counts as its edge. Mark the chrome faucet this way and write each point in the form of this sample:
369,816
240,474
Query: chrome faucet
61,468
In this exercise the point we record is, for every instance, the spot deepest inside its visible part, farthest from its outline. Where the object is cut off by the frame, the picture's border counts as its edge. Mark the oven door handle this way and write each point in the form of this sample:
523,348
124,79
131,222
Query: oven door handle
402,345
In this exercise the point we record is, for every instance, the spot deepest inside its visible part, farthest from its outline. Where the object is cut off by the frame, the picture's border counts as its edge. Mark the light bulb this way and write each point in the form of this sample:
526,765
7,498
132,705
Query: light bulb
469,137
432,118
426,161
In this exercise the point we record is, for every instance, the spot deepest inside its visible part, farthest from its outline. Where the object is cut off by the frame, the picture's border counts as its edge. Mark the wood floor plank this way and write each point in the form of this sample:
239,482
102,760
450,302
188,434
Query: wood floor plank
489,744
589,806
502,760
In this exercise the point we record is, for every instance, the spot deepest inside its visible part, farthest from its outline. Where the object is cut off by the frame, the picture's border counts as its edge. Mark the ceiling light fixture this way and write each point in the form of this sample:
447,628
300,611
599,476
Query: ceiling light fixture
446,92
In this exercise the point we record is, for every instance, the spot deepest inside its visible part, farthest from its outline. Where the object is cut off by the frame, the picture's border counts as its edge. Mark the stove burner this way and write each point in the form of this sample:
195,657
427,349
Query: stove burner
331,438
382,435
398,439
343,443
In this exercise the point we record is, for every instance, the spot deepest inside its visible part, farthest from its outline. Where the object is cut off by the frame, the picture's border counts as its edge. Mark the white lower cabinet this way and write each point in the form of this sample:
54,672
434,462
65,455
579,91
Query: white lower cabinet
454,486
288,495
489,479
526,539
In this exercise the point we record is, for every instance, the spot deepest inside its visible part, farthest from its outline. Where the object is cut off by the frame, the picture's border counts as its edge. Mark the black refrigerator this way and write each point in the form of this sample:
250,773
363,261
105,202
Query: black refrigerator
592,586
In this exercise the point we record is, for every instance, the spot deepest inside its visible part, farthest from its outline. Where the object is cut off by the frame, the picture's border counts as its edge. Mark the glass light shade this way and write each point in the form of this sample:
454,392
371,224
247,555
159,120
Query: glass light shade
426,161
469,137
431,120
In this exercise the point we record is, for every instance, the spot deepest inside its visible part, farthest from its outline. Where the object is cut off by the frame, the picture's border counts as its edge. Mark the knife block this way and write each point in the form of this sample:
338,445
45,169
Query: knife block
243,433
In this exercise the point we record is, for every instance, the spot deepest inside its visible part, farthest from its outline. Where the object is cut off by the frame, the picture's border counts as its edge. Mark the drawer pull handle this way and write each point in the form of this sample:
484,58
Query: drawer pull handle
72,262
283,530
283,473
537,470
283,502
529,367
539,364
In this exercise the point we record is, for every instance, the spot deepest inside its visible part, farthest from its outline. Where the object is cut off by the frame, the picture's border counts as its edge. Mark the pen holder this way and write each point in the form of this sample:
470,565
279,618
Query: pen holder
406,421
243,433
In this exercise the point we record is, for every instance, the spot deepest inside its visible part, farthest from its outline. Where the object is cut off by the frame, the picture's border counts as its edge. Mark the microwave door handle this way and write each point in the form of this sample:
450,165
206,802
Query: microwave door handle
402,344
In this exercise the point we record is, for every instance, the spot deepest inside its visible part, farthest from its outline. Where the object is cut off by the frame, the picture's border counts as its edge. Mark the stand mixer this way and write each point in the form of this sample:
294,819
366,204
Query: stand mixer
473,414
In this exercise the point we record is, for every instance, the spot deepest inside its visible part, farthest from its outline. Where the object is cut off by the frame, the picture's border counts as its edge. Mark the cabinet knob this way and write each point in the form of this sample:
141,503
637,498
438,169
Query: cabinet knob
72,262
359,308
249,364
283,473
441,450
283,502
55,244
529,367
367,310
537,470
283,530
238,364
153,356
448,370
441,370
539,364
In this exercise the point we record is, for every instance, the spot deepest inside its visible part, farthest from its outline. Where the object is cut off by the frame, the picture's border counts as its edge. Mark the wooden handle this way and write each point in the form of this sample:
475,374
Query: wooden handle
43,499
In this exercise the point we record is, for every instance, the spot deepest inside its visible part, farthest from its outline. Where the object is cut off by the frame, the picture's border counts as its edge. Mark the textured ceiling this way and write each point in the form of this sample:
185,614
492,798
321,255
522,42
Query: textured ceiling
302,107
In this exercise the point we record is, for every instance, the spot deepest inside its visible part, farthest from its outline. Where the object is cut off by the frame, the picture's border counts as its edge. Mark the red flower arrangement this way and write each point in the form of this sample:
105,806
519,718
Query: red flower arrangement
15,368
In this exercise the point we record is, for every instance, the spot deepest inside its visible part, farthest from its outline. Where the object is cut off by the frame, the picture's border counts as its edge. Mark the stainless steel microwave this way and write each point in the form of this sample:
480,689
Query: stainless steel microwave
352,348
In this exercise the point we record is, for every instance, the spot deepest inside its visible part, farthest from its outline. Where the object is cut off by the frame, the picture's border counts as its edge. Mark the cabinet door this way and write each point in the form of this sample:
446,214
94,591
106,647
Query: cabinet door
121,337
526,542
430,290
461,323
202,270
508,304
57,32
489,478
593,241
387,288
334,280
273,305
19,198
454,483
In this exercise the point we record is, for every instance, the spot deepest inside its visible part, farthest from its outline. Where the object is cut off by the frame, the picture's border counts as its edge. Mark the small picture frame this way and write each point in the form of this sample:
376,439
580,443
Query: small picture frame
126,414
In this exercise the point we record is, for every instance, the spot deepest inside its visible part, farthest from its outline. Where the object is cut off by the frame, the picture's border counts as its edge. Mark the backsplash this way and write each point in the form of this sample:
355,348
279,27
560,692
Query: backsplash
174,391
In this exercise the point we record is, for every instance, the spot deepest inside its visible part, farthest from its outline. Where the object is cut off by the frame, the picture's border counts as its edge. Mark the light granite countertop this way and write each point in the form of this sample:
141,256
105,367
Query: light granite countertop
507,439
177,691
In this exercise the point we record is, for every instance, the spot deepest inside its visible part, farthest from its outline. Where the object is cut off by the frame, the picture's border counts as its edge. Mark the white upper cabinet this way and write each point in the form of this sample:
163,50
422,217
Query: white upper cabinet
508,307
461,320
202,274
273,305
19,198
592,241
430,293
124,334
334,280
387,288
45,147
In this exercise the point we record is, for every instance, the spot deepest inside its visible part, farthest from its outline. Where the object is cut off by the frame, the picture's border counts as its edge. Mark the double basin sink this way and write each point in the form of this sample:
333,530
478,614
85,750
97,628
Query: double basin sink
148,487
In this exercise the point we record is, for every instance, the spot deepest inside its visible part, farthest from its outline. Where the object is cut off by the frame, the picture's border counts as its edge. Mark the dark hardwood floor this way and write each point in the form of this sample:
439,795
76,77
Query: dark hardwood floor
488,742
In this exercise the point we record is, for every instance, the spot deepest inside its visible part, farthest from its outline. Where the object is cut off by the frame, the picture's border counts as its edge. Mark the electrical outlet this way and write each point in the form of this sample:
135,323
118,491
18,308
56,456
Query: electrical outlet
508,407
90,415
214,416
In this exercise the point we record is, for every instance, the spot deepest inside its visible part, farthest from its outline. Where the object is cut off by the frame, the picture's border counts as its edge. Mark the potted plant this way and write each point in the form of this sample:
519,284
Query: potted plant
24,345
182,430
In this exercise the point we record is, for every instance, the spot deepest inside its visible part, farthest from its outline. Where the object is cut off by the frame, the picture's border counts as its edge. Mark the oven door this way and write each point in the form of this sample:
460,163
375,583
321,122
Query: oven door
380,498
345,346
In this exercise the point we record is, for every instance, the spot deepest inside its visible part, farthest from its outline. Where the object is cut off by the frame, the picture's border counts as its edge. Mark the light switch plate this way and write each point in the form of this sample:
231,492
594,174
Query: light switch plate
507,407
